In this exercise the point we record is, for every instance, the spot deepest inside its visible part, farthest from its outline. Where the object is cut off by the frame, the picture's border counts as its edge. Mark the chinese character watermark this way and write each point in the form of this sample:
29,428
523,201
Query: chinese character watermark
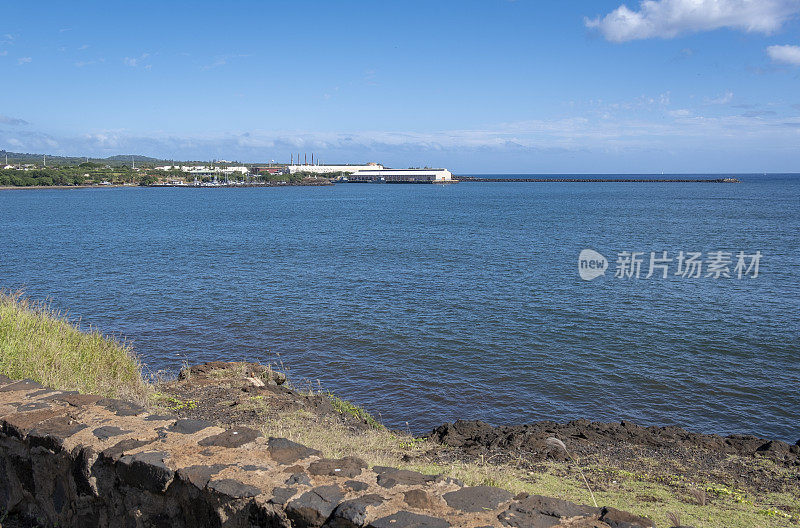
660,264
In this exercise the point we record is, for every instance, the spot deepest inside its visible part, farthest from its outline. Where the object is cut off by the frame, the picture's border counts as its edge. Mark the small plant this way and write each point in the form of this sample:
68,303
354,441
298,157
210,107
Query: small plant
771,512
699,495
172,403
674,519
345,407
410,443
555,442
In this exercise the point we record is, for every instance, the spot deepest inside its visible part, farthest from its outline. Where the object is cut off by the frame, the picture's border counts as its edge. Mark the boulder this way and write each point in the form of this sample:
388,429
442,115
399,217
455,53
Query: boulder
476,498
620,519
348,467
284,451
313,508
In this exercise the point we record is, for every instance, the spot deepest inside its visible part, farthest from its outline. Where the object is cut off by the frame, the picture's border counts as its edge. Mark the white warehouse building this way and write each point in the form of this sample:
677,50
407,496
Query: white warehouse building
331,169
403,176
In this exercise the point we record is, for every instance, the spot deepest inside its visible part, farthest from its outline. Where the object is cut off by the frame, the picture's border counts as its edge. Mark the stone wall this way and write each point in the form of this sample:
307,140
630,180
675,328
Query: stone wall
73,460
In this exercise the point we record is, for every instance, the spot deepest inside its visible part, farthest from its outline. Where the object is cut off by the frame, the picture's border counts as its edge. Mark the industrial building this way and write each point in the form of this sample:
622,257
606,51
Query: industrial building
382,175
330,169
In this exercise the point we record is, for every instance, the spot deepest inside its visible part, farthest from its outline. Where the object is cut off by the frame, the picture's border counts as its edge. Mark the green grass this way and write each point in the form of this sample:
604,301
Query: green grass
39,343
171,403
345,407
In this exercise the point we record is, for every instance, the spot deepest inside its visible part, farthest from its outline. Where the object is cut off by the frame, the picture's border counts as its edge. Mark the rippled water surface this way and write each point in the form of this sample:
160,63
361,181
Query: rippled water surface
431,303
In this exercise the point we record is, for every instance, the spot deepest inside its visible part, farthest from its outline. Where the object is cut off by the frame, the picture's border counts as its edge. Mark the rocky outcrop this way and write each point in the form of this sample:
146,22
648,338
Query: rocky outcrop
71,460
477,437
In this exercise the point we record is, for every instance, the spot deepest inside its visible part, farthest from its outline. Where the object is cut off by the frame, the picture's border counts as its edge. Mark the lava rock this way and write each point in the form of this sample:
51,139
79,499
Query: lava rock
233,437
146,471
233,488
353,513
537,511
284,451
33,406
620,519
115,452
282,495
298,479
51,433
108,431
199,475
187,426
356,485
391,477
417,498
74,398
22,385
121,407
313,508
476,498
343,467
407,519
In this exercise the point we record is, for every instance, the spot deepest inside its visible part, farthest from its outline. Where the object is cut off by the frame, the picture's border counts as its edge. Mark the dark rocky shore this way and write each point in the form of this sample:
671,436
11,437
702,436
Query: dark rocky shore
215,401
69,459
476,438
625,446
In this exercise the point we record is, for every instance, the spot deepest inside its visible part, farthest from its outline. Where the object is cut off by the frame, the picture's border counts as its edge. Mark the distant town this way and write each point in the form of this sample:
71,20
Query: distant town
30,170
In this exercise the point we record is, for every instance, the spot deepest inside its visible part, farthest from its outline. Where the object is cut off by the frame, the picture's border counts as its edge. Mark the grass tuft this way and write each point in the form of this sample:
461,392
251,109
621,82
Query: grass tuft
346,407
39,343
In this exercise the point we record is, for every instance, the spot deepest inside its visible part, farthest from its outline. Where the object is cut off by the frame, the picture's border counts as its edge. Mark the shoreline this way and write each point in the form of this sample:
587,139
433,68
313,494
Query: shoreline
324,182
707,479
118,186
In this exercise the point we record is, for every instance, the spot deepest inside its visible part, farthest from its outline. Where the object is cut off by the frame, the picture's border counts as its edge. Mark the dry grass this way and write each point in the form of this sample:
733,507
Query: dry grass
39,343
654,496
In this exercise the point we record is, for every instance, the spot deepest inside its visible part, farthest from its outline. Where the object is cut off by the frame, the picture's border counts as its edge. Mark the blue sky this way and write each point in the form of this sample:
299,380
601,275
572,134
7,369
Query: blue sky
528,86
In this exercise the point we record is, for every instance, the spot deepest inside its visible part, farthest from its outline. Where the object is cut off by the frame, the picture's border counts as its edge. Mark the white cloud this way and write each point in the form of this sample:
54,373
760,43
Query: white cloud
14,121
725,98
24,60
81,64
135,61
670,18
681,129
222,60
786,54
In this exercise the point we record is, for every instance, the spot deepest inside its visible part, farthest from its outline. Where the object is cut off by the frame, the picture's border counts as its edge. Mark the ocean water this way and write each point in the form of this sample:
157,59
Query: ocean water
426,304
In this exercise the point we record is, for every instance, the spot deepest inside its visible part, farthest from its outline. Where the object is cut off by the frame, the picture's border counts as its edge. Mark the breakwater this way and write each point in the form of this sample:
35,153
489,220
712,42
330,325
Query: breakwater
599,180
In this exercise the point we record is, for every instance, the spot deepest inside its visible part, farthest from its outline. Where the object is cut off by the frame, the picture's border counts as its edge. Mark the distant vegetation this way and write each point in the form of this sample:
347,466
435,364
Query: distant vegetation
29,171
20,158
83,174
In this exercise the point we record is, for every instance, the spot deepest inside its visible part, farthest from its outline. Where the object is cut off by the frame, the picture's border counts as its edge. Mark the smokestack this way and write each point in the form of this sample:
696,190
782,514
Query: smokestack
291,159
312,158
305,159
